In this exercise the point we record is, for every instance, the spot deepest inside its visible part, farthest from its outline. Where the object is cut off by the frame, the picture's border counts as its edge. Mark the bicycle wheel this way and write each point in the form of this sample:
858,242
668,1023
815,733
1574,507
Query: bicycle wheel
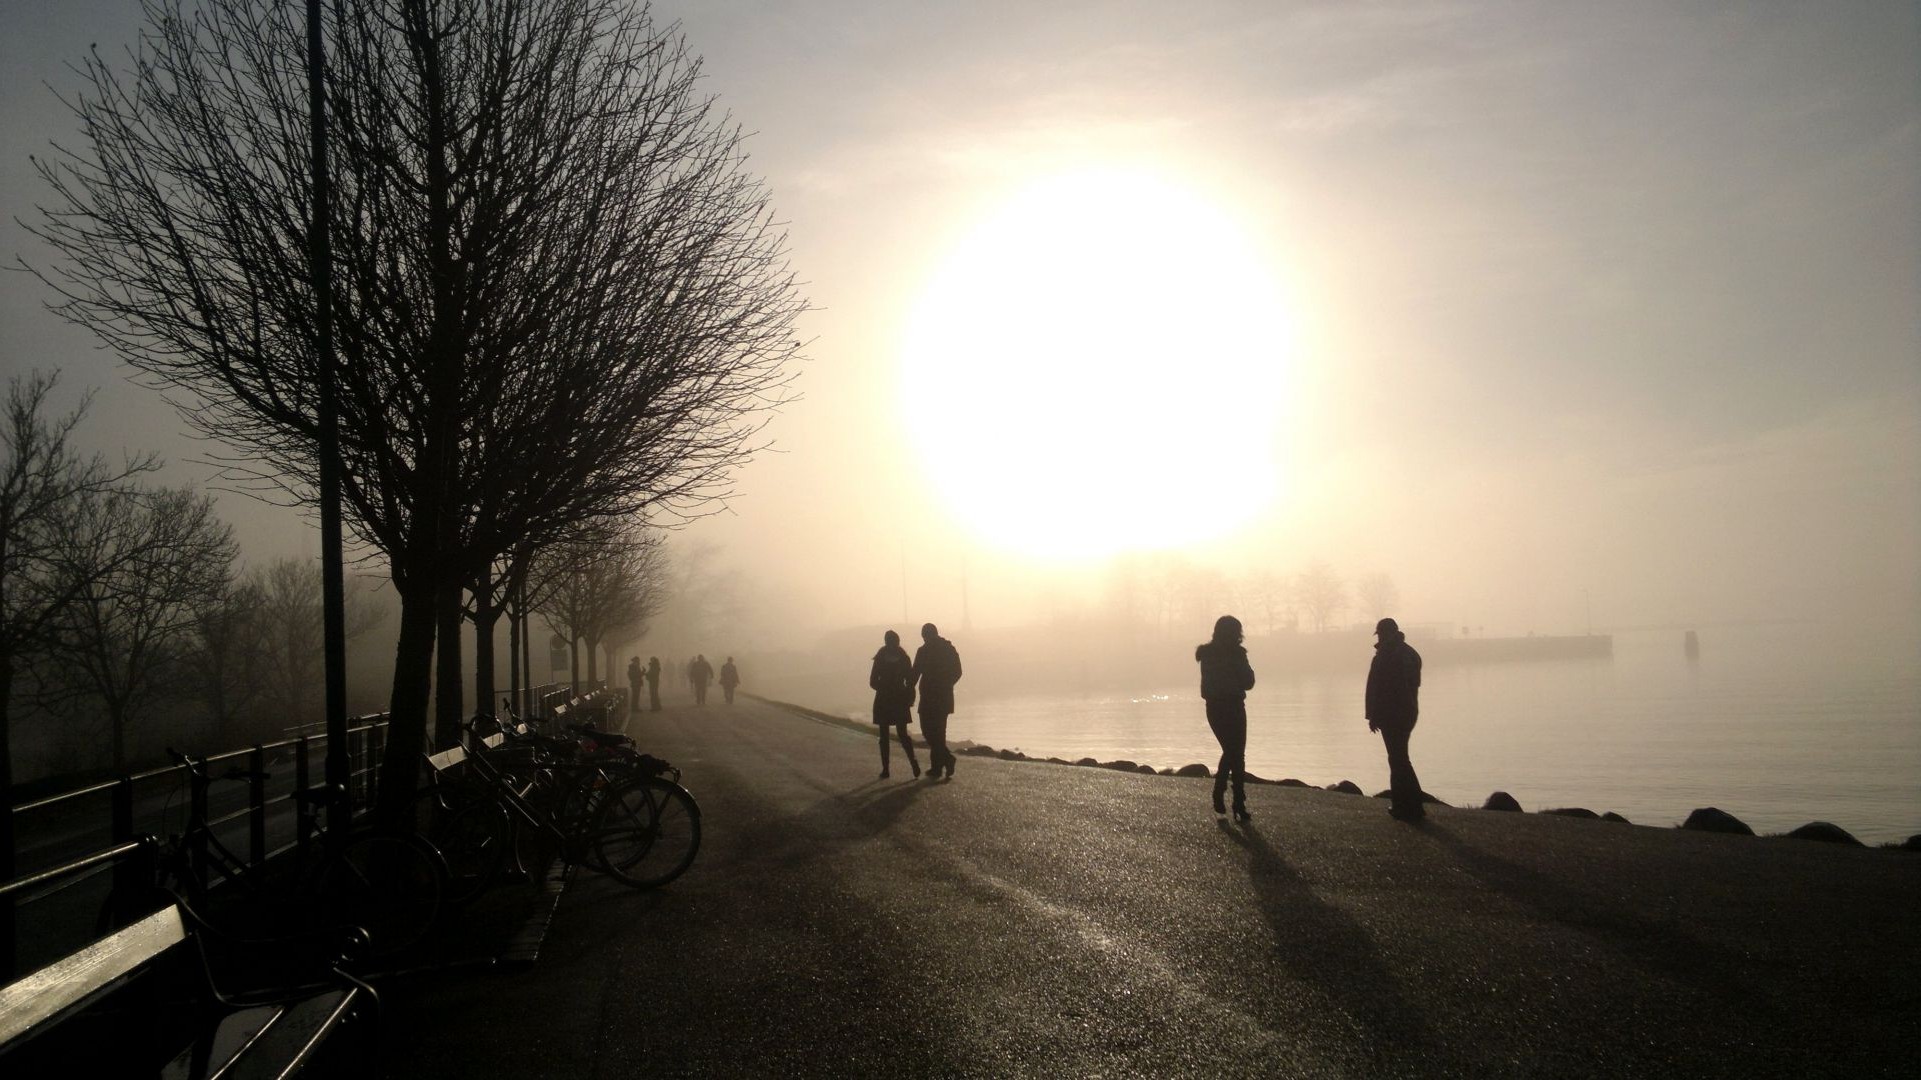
388,884
473,840
647,832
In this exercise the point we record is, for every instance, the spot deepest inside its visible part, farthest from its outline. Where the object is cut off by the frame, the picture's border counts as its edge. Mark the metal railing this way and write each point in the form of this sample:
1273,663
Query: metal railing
64,843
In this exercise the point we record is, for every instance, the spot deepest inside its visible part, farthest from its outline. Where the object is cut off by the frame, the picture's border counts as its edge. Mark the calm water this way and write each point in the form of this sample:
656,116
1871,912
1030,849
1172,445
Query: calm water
1758,727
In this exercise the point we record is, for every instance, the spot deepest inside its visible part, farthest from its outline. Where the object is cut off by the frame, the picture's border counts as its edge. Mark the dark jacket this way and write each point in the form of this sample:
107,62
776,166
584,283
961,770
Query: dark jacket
937,668
1225,672
700,673
1394,682
729,675
633,672
653,671
893,682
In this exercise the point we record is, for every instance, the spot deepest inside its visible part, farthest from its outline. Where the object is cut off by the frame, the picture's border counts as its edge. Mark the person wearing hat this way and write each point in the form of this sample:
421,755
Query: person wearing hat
1393,704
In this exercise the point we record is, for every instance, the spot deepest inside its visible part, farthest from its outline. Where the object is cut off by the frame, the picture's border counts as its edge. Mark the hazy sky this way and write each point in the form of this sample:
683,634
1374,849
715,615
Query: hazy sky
1618,299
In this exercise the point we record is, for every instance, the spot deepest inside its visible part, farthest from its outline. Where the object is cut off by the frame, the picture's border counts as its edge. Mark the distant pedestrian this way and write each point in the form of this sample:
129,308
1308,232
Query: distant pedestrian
892,680
937,667
1393,704
634,678
1226,677
700,673
653,684
729,678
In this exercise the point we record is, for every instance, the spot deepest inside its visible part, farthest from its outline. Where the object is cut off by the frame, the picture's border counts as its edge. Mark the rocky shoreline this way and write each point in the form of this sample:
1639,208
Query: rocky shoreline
1704,819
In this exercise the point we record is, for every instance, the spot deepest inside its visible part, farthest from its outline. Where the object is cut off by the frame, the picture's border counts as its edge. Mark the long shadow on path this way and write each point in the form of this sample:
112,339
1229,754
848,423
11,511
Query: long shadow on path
1323,946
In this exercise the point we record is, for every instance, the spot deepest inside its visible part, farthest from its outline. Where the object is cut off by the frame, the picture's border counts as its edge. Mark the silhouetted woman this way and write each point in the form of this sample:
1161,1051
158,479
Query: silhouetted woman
893,683
1225,680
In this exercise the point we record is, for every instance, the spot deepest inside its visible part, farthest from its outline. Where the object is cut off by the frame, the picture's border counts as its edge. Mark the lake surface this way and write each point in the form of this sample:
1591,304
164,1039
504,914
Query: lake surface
1776,725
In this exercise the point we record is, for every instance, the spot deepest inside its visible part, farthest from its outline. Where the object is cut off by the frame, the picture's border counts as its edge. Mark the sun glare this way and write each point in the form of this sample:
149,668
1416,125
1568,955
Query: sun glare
1098,367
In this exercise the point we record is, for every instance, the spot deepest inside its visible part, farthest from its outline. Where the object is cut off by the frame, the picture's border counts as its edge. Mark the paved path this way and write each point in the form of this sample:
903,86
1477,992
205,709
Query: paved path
1039,920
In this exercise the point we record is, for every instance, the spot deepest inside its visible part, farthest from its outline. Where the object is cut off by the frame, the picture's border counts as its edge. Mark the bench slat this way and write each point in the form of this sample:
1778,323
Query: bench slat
46,993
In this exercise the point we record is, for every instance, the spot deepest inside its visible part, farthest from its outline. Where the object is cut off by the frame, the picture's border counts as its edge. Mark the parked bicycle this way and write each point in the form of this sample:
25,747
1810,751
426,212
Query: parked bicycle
589,798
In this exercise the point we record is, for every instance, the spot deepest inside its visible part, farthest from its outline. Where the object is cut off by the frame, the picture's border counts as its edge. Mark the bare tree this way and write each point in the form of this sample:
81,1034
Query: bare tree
226,659
44,482
1377,596
1321,593
600,584
145,565
1269,599
560,296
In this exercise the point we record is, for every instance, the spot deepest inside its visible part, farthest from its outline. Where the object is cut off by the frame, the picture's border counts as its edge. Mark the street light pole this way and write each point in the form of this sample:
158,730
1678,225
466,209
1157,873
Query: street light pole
332,573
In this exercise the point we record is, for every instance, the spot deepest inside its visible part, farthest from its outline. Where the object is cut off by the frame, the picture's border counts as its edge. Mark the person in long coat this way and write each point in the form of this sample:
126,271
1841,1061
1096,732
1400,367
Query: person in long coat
729,678
937,668
1226,677
700,673
892,680
653,684
1393,705
634,678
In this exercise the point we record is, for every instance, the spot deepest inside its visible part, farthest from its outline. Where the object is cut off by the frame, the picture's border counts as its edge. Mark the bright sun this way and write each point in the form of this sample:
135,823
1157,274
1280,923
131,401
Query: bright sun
1097,368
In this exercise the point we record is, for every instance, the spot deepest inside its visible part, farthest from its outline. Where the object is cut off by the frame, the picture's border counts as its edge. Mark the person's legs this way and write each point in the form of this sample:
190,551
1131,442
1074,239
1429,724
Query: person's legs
653,696
907,744
1228,719
884,755
1215,712
1406,787
934,726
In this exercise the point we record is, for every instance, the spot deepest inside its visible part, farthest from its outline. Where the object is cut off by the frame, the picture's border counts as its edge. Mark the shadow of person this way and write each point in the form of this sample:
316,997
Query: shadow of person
826,825
1324,947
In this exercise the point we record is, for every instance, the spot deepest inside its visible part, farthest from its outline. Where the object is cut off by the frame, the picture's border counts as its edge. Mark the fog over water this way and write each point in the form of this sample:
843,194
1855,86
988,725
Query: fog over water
1584,316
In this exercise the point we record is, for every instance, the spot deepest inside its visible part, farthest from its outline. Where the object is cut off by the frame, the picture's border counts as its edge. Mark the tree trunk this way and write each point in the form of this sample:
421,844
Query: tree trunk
513,658
407,706
573,667
449,697
593,660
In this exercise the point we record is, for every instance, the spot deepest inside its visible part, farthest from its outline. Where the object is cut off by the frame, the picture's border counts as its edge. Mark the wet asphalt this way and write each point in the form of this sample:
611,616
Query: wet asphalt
1028,919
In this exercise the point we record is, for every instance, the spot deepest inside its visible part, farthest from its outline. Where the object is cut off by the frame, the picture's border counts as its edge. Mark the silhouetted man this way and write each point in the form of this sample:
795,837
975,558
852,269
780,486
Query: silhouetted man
937,668
634,676
700,673
729,678
653,684
1393,704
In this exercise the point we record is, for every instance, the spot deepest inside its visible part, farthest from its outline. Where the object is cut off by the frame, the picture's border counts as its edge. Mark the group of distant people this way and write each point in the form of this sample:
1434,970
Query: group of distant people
1391,706
699,673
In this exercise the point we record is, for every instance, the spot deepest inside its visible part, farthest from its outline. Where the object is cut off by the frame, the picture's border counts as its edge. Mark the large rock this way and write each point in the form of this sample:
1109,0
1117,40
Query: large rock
1011,755
1501,800
1122,765
1825,831
1574,811
1912,843
1196,769
1292,782
1614,817
1148,769
1714,819
1088,762
1347,787
979,751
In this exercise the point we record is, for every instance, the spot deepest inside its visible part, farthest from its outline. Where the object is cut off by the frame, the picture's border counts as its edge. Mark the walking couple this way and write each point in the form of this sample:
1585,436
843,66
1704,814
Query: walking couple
935,669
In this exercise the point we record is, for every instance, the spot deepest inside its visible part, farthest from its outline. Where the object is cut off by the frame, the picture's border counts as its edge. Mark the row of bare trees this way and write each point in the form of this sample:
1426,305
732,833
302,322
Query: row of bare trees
561,301
1171,596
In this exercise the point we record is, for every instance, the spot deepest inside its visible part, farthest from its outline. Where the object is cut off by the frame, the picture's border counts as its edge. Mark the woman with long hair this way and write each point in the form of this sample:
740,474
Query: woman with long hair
1226,678
892,680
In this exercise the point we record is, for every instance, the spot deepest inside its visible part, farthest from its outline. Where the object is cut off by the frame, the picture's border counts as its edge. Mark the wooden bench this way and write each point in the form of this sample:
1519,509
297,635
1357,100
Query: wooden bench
145,1001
